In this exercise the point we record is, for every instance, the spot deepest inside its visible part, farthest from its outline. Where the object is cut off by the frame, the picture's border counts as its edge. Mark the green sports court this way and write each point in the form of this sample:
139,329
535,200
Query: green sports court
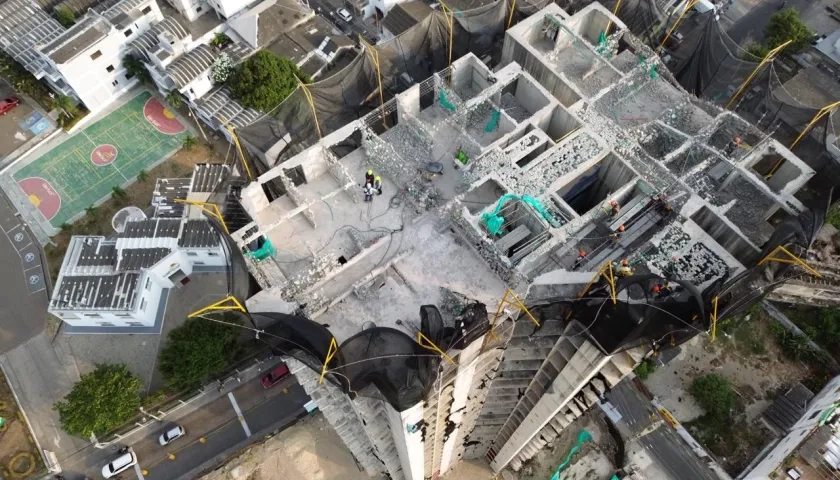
110,152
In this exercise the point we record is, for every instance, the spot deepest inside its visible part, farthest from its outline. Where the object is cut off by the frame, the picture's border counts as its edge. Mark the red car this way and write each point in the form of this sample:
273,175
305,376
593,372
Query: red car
8,105
273,377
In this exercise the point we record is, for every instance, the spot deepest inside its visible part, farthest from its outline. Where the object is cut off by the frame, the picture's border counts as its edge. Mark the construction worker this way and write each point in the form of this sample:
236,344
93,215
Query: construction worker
377,185
580,259
368,191
735,144
369,177
614,208
624,270
616,236
656,290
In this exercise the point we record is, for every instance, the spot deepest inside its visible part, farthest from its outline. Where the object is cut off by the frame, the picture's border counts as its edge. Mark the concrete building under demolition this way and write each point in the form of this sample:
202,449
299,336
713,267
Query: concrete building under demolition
493,182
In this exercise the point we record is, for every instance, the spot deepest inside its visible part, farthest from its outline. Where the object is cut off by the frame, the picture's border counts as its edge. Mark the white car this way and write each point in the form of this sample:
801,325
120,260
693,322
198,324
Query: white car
173,433
119,464
345,15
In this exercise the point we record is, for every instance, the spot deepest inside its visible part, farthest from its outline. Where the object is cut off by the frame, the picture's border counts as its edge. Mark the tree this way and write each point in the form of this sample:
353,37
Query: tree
189,142
100,401
197,351
265,80
714,394
786,25
142,175
66,107
135,68
174,98
645,369
222,68
220,39
90,210
65,17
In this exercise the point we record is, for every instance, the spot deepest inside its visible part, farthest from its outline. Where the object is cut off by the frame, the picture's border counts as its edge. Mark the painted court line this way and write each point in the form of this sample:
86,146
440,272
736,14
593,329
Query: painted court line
239,414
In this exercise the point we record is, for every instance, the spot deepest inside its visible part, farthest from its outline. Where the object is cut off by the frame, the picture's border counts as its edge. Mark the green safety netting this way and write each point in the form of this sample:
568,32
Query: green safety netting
583,437
494,121
265,251
494,222
445,102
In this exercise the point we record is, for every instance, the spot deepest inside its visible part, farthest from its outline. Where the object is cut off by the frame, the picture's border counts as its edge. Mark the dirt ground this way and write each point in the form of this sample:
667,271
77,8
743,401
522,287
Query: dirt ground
139,194
307,450
16,441
746,355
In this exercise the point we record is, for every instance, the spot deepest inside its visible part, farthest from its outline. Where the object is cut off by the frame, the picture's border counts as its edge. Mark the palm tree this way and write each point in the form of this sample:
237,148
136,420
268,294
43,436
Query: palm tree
65,227
90,210
118,192
174,98
189,142
142,175
66,107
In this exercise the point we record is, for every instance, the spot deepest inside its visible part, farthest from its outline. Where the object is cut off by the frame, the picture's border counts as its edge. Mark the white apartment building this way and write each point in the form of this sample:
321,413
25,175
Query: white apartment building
190,9
818,413
85,62
125,281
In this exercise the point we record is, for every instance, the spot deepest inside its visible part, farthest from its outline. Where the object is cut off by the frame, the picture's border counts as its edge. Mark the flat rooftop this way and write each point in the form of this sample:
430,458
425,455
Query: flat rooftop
77,39
494,178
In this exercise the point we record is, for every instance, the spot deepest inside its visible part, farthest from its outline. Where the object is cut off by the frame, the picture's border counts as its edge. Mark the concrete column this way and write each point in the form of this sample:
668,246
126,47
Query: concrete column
467,363
408,439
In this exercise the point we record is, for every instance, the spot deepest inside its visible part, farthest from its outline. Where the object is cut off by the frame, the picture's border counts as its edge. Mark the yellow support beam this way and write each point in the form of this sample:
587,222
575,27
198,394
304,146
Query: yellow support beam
374,56
767,58
611,281
510,18
430,345
516,302
688,7
238,145
330,354
312,106
209,208
220,306
714,318
819,115
615,13
449,14
792,259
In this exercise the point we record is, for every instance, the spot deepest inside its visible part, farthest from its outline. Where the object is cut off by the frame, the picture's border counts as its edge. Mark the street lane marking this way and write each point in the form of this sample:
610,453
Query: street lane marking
139,472
239,414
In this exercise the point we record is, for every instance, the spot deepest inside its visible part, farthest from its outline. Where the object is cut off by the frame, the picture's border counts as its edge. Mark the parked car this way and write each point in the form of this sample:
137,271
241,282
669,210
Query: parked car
119,464
345,15
175,432
8,105
273,377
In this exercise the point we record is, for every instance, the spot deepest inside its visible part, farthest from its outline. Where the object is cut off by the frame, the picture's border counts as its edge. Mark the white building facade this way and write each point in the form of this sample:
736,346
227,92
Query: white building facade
86,61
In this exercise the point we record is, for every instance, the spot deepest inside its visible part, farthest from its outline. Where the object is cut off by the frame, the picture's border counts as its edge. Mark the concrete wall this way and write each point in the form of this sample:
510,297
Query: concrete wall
338,409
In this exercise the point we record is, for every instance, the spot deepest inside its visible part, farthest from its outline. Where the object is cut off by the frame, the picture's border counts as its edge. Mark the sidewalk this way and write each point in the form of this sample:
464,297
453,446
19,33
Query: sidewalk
38,373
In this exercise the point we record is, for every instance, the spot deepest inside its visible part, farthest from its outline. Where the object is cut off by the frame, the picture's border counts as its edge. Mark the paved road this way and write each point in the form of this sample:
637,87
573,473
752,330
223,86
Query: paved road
752,24
23,295
232,420
353,29
662,445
